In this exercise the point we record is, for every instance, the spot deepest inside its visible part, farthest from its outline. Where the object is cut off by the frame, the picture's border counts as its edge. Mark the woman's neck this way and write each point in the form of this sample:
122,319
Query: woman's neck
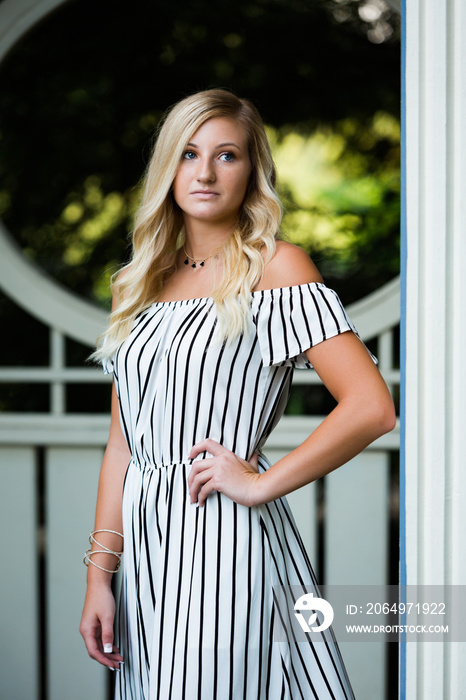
202,239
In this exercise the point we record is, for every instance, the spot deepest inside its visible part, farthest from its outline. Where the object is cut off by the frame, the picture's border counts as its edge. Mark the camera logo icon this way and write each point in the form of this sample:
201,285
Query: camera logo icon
309,604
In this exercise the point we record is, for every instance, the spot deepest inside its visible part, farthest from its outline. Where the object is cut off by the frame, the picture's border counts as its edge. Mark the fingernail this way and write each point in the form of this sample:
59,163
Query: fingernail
108,648
110,668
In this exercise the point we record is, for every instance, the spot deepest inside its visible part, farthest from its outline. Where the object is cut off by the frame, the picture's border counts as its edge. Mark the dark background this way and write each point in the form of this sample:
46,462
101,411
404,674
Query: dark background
81,95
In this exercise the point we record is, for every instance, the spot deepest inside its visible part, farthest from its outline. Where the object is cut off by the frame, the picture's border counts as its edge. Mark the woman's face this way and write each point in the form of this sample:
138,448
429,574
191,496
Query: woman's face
212,179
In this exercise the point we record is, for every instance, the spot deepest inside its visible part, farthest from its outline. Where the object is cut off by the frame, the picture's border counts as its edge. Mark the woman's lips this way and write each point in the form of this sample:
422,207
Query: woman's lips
204,194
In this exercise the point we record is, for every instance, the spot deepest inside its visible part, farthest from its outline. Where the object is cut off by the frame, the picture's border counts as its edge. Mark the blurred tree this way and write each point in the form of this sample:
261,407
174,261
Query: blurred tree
341,189
96,77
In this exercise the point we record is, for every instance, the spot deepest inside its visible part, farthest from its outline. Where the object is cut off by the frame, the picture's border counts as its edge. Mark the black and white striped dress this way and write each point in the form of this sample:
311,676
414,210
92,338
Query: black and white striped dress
197,608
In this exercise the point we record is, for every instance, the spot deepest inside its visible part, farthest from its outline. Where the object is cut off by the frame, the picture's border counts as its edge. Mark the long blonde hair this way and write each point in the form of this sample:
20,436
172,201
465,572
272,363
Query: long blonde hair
158,227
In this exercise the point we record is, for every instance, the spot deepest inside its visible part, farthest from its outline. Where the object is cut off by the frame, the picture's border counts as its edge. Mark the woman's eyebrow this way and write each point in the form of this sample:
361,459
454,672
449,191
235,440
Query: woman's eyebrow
220,145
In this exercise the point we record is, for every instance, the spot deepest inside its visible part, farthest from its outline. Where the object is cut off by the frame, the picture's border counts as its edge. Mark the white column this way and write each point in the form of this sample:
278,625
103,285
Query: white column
435,462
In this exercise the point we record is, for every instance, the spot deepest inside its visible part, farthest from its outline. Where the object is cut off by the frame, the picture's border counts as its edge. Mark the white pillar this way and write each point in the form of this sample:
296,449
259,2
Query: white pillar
435,462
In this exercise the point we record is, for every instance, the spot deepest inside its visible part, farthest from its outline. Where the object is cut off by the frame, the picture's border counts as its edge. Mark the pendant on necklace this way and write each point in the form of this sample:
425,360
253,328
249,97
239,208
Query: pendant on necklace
186,262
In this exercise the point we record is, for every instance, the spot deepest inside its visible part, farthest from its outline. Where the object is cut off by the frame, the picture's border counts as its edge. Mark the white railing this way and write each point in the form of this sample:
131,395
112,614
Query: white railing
49,466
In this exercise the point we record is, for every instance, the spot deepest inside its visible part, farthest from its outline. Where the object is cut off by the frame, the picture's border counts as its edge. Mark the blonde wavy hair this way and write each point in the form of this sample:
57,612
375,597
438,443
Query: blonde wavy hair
158,228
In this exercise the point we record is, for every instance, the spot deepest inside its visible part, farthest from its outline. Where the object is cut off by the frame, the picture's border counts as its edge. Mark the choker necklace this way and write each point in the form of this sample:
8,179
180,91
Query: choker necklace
200,262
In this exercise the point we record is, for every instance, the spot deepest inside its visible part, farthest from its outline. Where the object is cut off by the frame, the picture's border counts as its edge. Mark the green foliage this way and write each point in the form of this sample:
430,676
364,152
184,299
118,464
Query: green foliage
341,190
81,96
76,135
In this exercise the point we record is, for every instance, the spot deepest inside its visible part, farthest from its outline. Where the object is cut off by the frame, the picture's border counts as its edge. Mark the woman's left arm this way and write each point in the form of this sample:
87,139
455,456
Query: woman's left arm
364,412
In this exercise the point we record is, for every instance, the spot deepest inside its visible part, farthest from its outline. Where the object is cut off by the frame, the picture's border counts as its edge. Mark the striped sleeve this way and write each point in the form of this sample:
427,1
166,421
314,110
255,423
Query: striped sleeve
290,320
107,365
108,362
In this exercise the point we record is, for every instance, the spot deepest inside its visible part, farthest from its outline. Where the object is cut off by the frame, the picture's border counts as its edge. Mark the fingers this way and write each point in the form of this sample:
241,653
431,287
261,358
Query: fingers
107,637
208,445
199,476
205,491
110,659
113,656
102,651
199,488
224,472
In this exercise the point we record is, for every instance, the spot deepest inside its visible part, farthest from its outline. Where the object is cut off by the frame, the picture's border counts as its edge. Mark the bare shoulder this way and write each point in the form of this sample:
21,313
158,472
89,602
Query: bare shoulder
122,274
290,266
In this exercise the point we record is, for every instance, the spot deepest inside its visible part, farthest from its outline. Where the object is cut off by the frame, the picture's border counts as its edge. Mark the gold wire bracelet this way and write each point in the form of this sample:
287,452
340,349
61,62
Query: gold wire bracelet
104,550
99,544
87,560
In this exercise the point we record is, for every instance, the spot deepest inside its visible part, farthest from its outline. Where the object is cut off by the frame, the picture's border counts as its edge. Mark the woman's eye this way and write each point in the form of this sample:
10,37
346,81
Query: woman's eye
227,157
189,155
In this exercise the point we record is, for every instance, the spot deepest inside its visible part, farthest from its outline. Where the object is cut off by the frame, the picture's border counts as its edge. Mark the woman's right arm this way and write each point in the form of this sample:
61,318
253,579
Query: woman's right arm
99,607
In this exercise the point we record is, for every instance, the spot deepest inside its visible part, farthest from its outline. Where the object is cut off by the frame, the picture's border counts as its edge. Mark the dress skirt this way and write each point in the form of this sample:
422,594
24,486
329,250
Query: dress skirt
198,606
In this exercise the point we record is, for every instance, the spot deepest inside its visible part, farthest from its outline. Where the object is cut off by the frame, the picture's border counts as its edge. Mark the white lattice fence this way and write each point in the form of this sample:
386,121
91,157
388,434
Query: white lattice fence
49,465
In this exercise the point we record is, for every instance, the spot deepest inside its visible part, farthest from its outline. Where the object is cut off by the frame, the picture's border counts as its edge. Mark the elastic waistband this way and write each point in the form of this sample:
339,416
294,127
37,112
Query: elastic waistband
143,466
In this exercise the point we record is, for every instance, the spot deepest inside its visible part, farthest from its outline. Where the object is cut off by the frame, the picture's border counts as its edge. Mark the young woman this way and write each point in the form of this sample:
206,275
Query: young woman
209,319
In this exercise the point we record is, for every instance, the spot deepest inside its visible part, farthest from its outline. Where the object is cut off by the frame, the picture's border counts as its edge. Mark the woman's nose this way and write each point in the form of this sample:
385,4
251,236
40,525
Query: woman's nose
206,171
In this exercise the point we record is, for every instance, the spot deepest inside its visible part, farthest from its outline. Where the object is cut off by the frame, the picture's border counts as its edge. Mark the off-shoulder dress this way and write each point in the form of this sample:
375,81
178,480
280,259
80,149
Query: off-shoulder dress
197,609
